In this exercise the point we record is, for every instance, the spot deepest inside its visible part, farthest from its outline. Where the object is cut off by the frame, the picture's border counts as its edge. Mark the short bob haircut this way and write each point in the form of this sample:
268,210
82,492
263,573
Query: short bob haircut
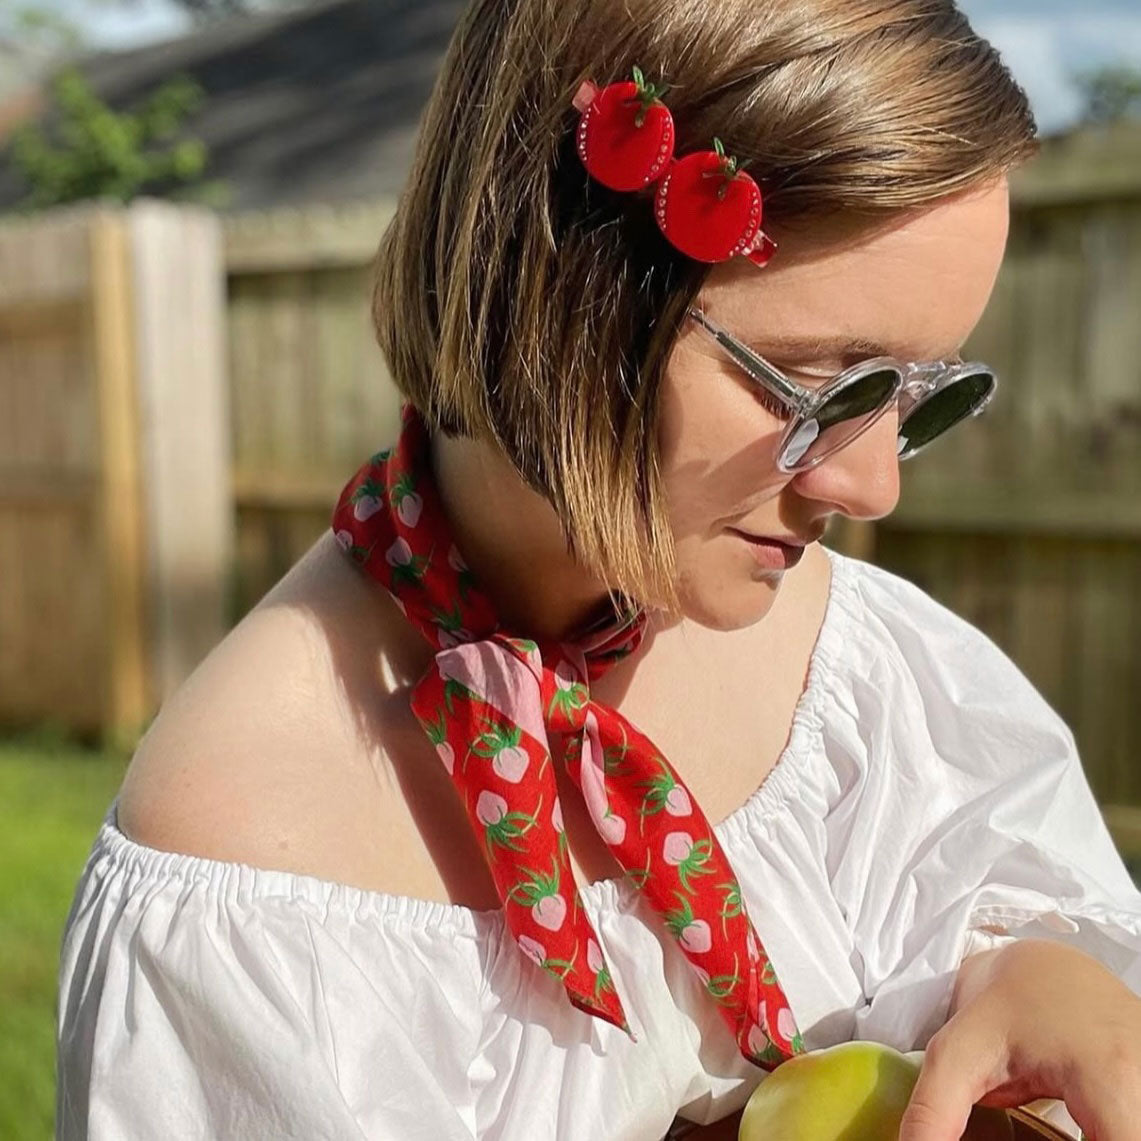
520,302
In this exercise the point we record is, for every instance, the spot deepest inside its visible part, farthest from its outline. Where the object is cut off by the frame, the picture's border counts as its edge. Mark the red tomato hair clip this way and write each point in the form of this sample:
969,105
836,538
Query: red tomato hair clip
704,205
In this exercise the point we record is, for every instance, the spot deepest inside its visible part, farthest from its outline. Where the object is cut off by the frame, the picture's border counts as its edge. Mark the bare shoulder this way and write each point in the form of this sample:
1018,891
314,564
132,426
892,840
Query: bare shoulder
292,747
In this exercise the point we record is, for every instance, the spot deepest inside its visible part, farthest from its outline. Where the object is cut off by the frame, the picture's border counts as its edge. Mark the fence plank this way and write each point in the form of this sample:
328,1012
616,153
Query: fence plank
321,237
1041,604
1124,822
182,389
51,614
1043,510
126,695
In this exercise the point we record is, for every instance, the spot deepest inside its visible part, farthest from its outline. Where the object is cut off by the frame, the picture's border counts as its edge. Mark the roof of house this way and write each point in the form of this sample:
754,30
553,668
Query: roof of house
320,103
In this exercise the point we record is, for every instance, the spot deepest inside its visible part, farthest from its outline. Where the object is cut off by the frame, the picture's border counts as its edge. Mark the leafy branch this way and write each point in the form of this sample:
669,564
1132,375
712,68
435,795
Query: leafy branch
93,151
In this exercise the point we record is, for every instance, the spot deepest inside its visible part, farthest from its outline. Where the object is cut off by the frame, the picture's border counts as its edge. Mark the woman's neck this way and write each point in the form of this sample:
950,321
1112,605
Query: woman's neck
512,540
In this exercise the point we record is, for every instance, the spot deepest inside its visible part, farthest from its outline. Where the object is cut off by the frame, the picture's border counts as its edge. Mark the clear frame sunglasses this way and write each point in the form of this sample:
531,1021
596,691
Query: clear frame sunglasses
933,396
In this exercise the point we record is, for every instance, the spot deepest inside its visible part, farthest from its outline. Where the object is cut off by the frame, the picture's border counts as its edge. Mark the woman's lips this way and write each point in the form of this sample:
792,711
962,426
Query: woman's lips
770,553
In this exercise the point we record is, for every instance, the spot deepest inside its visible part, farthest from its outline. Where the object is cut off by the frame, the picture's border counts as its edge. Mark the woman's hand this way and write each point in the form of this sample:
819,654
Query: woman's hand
1033,1019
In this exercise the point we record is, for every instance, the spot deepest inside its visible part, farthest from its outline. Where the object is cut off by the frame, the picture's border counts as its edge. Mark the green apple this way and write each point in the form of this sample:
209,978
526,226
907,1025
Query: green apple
854,1091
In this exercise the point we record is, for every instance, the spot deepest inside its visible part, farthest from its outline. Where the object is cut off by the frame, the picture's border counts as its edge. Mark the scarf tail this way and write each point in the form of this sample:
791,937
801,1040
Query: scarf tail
507,784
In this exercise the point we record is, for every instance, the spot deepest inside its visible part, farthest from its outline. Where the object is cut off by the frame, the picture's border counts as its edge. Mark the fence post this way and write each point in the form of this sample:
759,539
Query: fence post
125,692
179,273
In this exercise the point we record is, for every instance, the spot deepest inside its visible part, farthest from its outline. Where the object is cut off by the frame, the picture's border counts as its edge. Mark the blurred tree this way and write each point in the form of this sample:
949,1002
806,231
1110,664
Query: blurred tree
102,153
1110,92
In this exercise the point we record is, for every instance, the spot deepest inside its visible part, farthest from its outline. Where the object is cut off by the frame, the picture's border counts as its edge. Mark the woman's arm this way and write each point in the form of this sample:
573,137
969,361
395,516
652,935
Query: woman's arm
972,977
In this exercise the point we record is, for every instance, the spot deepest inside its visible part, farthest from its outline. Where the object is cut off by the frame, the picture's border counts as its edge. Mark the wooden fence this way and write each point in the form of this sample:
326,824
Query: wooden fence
70,626
1028,523
115,517
310,390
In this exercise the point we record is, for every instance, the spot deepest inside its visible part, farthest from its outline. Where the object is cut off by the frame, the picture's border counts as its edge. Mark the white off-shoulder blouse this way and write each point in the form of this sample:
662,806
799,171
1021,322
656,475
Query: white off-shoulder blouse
927,791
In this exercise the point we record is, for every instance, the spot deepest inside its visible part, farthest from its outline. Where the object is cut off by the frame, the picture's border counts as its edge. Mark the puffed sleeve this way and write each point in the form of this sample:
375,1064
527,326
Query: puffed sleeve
963,811
200,999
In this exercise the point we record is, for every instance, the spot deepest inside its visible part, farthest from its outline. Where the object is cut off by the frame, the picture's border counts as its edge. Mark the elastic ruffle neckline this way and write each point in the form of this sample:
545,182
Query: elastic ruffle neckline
244,881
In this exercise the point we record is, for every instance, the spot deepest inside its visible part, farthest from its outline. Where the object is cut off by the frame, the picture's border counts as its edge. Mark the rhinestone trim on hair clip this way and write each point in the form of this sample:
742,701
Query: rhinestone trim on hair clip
704,205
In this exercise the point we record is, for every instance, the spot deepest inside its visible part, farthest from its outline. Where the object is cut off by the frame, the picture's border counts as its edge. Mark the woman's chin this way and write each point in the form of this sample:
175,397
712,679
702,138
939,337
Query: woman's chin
730,605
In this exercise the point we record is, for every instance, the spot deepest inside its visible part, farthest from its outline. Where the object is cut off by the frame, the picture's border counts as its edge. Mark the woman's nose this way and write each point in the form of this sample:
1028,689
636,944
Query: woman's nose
861,480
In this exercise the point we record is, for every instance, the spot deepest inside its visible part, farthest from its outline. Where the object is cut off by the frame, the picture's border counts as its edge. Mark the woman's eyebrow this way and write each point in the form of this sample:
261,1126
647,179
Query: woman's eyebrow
813,348
803,349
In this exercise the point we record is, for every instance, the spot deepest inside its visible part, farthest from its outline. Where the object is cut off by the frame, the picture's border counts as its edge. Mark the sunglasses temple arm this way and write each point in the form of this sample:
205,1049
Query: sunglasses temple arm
750,362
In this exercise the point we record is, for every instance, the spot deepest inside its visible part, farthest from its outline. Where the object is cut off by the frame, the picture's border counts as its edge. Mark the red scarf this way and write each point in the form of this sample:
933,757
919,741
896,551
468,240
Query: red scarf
487,704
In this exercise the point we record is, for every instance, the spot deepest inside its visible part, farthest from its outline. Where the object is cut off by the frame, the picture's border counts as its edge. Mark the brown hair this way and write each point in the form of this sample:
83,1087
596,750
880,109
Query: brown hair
518,301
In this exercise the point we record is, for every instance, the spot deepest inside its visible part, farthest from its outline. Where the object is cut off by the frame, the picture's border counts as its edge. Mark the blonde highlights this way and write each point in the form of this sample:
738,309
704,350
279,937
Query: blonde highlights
519,302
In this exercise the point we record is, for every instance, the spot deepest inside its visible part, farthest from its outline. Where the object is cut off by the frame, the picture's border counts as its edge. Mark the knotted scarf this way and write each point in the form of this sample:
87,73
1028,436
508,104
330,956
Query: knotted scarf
487,704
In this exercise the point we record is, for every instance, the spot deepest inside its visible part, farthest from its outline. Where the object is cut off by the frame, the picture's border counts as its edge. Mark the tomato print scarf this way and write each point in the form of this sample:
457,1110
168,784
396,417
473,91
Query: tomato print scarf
487,704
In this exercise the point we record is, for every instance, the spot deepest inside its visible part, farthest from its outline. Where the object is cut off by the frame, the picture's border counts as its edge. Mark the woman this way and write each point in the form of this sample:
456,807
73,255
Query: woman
587,579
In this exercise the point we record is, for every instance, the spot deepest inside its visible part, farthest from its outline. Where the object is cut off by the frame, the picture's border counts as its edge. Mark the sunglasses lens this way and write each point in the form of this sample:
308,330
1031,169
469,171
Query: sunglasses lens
943,410
840,419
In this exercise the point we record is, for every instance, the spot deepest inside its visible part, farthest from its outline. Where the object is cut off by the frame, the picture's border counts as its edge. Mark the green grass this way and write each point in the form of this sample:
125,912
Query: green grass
52,798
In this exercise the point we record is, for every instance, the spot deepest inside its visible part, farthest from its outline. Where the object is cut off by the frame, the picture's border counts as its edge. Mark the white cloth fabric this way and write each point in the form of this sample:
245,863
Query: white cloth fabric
927,791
